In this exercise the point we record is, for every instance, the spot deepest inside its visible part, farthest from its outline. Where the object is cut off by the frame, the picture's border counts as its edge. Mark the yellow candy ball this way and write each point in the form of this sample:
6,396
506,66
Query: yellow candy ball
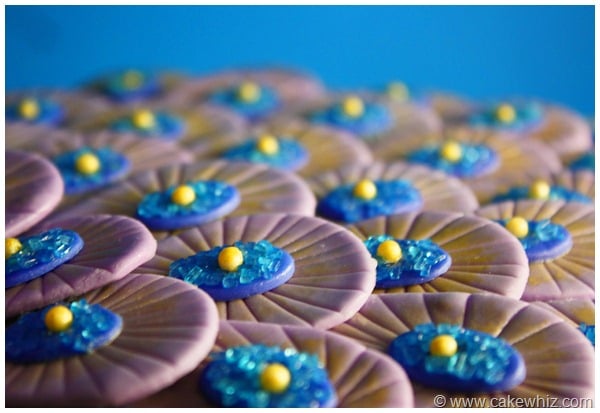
540,189
518,226
451,151
505,113
183,195
248,92
365,189
29,109
398,91
275,378
58,318
230,258
353,106
143,119
87,164
11,247
132,79
443,345
267,144
389,251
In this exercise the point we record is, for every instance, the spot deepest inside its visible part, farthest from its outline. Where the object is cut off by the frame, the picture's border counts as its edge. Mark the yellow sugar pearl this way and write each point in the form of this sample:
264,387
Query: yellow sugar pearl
518,226
29,109
365,189
540,189
58,318
353,106
275,378
87,164
248,92
143,119
183,195
451,151
11,247
389,251
267,144
443,345
132,79
398,91
230,258
505,113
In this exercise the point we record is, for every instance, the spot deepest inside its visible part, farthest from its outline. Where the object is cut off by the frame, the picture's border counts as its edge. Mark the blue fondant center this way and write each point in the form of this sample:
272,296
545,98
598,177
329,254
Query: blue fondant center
376,119
421,262
527,116
116,87
545,240
41,254
232,379
28,340
166,126
392,197
556,193
589,331
291,155
213,200
113,166
267,102
476,160
265,267
49,113
482,363
586,161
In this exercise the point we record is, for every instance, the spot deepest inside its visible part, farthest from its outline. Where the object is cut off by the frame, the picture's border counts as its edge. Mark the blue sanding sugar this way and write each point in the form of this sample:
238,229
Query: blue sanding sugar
291,155
166,126
476,160
376,119
556,193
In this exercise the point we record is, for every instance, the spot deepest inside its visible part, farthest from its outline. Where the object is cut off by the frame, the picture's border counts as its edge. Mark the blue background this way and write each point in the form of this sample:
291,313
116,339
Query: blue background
483,52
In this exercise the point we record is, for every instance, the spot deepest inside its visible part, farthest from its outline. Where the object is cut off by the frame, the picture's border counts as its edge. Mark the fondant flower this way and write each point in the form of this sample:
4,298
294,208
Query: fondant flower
332,272
558,238
168,327
360,377
112,247
481,256
179,196
579,313
556,369
33,189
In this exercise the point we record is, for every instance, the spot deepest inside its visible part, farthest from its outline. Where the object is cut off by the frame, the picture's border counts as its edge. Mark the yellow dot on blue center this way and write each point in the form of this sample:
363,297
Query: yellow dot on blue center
58,318
443,345
518,226
275,378
230,259
505,113
365,189
267,144
397,91
353,106
540,189
87,164
11,247
248,92
29,109
183,195
132,79
389,251
143,119
451,151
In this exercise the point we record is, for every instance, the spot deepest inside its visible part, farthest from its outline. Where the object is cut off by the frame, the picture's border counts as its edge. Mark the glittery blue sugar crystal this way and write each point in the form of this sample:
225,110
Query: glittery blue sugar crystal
556,193
545,240
166,126
375,120
40,254
587,161
393,197
121,88
589,331
482,363
214,199
421,262
113,167
266,104
265,267
28,340
49,113
527,116
232,379
290,157
476,160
